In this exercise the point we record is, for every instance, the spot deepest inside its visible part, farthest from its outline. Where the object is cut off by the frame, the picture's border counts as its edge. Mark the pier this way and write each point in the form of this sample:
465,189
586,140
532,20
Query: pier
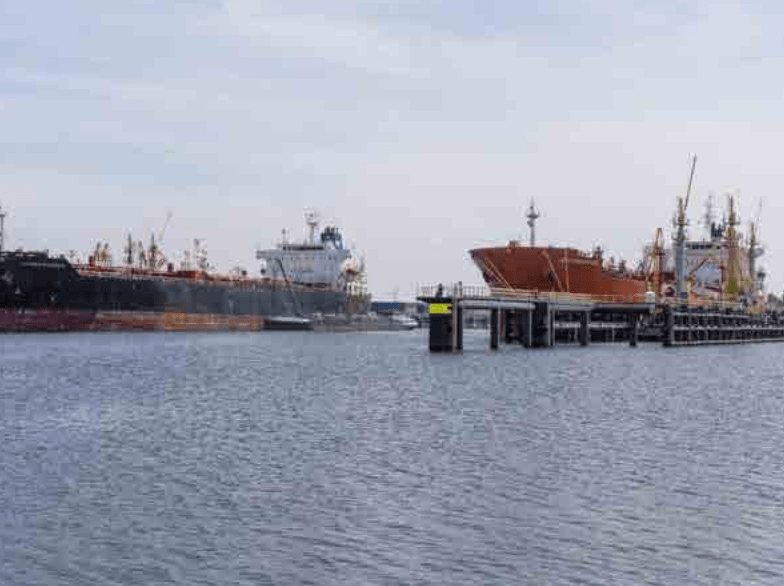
533,319
700,326
543,319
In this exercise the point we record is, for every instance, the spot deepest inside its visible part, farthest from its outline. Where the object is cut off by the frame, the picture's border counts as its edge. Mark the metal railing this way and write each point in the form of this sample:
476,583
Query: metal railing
483,292
703,303
479,292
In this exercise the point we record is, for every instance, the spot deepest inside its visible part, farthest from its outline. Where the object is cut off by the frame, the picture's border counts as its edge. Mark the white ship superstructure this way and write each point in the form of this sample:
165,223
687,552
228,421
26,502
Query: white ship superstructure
319,261
721,262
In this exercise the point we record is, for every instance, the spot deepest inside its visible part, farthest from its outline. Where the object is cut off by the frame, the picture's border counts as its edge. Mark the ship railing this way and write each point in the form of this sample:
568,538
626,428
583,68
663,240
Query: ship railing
719,304
483,292
203,278
565,297
447,290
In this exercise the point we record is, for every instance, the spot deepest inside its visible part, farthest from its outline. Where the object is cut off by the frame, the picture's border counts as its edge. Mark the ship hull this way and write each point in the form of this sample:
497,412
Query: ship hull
564,270
38,293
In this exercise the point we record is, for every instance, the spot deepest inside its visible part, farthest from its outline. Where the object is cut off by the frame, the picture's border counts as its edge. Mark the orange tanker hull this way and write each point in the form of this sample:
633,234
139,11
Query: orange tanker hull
551,269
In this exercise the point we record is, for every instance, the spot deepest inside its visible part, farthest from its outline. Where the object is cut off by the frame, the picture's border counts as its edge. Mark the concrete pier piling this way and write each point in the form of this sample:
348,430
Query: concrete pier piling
585,335
532,320
494,328
702,326
543,320
441,326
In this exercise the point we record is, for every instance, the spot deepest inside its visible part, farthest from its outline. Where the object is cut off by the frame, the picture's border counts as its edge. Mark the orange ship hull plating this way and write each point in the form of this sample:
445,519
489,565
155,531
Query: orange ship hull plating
553,269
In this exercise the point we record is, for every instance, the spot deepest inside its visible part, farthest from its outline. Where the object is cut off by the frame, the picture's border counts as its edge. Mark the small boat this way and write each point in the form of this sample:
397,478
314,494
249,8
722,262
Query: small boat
284,322
401,321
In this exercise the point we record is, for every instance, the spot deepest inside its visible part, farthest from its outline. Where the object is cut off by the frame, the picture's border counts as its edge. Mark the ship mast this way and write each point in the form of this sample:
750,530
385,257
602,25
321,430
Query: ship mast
733,266
752,257
709,217
128,250
680,239
754,250
532,216
2,228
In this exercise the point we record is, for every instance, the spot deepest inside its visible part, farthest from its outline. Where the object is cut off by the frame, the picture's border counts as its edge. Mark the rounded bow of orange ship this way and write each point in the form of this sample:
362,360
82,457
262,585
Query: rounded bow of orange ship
554,269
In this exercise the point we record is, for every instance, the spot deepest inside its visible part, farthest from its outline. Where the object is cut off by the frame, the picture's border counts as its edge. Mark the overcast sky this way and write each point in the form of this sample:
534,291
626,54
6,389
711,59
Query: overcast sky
422,128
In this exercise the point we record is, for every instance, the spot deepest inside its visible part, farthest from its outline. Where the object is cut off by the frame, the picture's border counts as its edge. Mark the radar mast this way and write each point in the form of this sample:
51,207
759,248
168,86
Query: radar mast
532,216
311,219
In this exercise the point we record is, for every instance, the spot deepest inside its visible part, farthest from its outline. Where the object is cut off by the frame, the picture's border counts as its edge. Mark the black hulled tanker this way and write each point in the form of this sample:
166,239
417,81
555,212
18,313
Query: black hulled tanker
39,292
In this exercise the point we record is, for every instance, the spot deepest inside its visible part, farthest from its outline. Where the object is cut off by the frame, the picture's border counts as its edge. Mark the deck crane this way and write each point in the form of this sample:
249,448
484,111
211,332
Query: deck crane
754,248
680,239
151,256
155,257
128,251
734,281
654,264
165,225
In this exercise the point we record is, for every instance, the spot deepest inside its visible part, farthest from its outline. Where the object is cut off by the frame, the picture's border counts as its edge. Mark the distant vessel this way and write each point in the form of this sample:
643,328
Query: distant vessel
403,322
554,269
721,267
39,292
320,261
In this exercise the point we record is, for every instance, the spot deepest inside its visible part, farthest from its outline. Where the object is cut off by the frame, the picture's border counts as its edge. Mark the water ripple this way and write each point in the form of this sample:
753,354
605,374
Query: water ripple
354,459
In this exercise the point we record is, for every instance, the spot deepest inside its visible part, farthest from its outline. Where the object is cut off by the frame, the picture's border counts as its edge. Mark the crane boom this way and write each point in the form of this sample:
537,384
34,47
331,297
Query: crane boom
165,225
757,219
691,178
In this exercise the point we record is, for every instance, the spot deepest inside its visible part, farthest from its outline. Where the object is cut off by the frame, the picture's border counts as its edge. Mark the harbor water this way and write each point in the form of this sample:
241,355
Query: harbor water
361,459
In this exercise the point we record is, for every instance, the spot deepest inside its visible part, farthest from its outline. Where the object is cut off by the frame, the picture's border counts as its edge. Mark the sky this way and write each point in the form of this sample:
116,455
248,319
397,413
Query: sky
421,128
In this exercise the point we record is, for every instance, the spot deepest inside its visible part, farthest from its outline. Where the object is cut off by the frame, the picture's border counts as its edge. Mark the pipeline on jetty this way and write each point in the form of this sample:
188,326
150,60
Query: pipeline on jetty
536,319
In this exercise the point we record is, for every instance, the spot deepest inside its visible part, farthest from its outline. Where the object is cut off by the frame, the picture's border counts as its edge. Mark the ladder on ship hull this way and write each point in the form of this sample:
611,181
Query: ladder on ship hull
297,307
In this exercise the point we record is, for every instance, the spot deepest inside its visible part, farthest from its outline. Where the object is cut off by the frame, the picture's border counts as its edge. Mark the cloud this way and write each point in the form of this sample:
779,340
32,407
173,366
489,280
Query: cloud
422,128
